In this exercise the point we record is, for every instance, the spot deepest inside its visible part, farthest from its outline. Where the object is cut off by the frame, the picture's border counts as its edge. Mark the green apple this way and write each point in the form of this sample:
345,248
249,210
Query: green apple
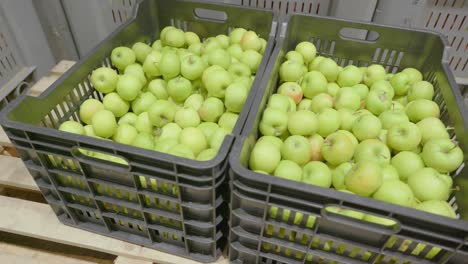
302,122
239,69
129,118
207,154
104,123
250,41
291,71
219,57
192,67
401,83
171,65
121,57
337,148
295,56
264,45
395,192
195,49
252,59
217,82
191,38
332,89
393,117
378,102
389,77
174,37
347,118
89,131
235,51
316,144
350,76
179,89
114,103
320,102
428,184
235,97
158,88
289,170
271,139
403,136
137,70
194,101
402,100
374,73
141,50
296,148
143,102
307,50
265,156
314,64
161,113
279,102
347,98
128,87
366,127
421,90
373,150
329,69
170,130
364,178
437,207
104,79
415,75
305,104
211,109
338,175
157,45
143,123
442,154
228,121
313,83
236,35
193,138
217,138
208,128
143,140
329,121
125,134
181,151
432,127
389,173
88,108
209,45
72,127
165,145
187,117
317,173
406,163
292,90
361,89
419,109
397,106
385,86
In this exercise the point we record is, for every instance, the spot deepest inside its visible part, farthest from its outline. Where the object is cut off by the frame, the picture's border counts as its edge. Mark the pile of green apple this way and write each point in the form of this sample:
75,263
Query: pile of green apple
179,96
359,130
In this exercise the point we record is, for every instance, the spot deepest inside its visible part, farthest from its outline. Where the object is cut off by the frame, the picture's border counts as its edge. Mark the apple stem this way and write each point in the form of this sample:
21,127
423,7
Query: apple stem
456,188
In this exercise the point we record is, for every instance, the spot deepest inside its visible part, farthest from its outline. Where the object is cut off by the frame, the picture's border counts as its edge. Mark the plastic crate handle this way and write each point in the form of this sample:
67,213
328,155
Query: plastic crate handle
101,159
210,15
344,214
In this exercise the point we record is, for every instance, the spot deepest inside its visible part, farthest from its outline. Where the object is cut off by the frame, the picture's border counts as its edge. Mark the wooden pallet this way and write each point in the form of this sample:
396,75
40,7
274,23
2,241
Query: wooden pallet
37,220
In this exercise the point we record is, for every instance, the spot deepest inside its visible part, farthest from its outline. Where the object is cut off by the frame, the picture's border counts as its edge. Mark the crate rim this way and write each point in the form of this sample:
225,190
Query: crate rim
239,169
224,149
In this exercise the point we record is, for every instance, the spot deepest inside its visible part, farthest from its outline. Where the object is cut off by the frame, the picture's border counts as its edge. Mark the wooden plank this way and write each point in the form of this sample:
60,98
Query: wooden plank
15,174
39,221
126,260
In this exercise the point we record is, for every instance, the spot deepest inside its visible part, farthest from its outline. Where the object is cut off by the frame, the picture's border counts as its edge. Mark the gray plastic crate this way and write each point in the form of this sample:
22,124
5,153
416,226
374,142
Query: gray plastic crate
157,200
257,236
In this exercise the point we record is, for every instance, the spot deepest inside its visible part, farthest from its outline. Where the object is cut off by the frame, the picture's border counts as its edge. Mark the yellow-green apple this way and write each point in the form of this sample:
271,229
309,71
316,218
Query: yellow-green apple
349,76
317,173
194,101
211,109
329,121
171,65
207,154
114,103
121,57
193,138
191,38
421,90
72,127
428,184
192,67
165,145
406,163
104,123
364,178
294,56
389,173
228,120
181,151
316,144
302,122
89,131
187,117
329,69
252,59
313,83
265,156
179,89
395,192
321,101
432,127
292,90
332,89
143,123
235,97
174,37
393,117
374,150
279,102
208,128
276,141
401,83
347,118
236,34
366,127
374,73
143,102
129,118
250,41
296,148
141,50
338,175
219,57
442,154
289,170
170,130
235,51
291,71
144,140
414,74
158,88
209,45
238,69
437,207
314,64
337,148
104,79
378,101
161,113
217,138
419,109
137,70
403,136
125,134
347,98
217,82
305,104
88,108
307,50
195,49
157,45
151,65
